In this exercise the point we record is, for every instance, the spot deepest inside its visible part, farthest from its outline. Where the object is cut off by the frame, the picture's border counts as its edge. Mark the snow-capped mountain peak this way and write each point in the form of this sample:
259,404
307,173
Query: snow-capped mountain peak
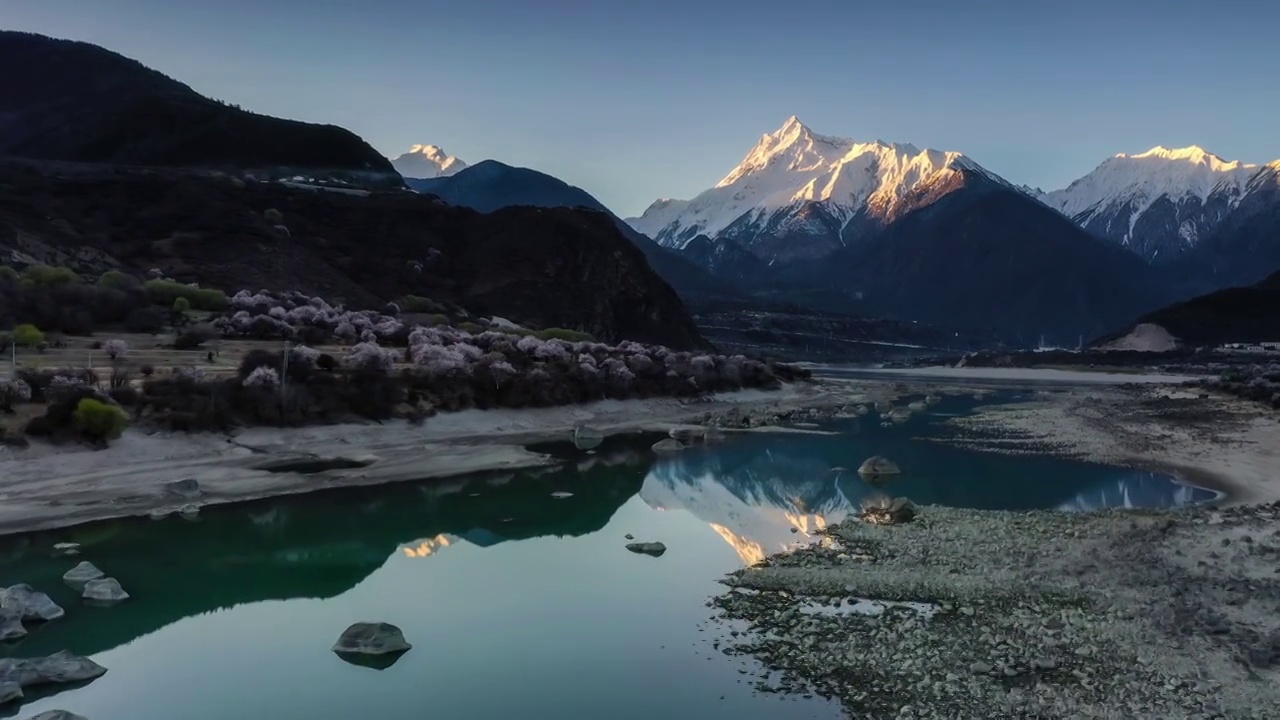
1193,154
427,161
796,182
1157,203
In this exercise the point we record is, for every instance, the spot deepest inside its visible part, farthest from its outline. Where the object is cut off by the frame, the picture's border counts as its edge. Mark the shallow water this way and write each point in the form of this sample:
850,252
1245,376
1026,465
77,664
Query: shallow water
517,603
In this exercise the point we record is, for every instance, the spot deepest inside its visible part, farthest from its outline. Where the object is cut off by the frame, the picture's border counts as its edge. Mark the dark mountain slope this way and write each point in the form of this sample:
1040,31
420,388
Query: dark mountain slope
490,185
987,256
546,267
1239,314
1245,247
74,101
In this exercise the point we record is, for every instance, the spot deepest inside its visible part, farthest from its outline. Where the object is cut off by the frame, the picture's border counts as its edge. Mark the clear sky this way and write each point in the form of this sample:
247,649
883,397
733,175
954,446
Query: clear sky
661,98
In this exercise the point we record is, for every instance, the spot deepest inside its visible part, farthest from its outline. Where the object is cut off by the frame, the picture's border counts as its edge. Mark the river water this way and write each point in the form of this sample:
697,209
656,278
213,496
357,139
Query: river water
519,601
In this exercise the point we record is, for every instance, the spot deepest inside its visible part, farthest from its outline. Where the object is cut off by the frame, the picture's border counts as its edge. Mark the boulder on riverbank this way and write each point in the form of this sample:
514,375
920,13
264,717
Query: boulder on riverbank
77,577
371,638
881,510
105,591
58,715
878,466
188,488
31,603
59,668
11,627
653,549
669,445
10,692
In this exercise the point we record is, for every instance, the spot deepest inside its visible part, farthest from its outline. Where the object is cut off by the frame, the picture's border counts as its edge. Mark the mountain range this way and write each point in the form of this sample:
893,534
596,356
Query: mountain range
489,186
931,235
893,230
808,222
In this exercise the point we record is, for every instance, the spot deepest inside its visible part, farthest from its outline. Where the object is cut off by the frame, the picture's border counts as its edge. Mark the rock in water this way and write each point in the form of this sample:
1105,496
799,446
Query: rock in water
11,625
189,511
883,511
10,692
81,574
104,590
587,438
917,406
58,715
878,466
561,494
655,549
186,488
67,548
32,604
688,435
60,667
371,638
668,445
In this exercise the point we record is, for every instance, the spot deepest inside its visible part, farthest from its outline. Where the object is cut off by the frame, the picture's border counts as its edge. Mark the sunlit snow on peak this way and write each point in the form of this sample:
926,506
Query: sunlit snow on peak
427,161
794,165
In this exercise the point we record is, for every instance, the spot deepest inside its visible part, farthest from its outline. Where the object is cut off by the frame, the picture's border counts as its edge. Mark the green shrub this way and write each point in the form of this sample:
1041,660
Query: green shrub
181,305
167,292
470,327
28,335
563,334
117,280
46,276
8,274
418,304
98,420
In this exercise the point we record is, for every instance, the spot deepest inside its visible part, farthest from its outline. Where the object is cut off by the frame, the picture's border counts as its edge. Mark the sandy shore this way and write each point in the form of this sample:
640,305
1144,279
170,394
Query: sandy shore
46,487
1125,615
1219,441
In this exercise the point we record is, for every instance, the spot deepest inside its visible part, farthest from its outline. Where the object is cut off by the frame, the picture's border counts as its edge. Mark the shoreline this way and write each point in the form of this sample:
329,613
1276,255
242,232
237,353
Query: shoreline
47,487
1218,442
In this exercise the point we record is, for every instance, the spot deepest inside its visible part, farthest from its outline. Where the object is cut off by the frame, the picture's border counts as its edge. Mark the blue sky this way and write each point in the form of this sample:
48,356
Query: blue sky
661,98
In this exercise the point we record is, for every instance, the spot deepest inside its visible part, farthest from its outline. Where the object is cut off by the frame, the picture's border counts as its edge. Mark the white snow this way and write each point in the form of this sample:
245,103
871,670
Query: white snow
1140,180
792,166
427,161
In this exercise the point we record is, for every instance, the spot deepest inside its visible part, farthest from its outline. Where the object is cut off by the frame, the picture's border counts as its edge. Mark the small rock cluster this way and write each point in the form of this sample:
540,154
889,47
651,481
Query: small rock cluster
60,668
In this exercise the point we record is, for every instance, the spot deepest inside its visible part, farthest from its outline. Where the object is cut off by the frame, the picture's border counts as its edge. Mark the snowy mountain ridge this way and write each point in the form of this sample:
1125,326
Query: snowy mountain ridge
426,162
1158,203
775,189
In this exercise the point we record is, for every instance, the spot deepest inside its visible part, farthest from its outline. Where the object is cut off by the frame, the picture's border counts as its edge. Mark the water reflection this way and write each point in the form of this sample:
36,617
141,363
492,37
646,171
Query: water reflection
764,497
316,546
1139,490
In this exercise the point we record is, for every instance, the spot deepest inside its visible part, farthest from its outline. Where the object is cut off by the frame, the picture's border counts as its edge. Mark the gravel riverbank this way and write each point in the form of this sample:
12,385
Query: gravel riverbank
1151,614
